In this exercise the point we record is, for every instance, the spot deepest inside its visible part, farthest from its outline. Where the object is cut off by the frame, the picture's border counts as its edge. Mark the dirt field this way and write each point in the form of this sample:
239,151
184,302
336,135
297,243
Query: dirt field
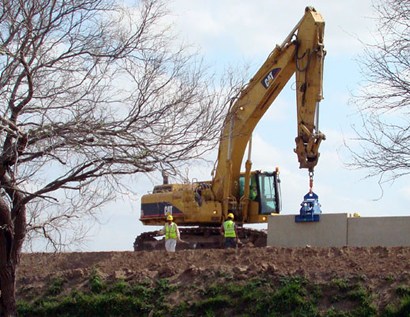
380,269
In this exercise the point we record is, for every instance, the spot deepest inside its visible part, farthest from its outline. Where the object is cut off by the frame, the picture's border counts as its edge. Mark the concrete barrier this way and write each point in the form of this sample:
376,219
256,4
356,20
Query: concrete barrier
378,231
283,231
337,230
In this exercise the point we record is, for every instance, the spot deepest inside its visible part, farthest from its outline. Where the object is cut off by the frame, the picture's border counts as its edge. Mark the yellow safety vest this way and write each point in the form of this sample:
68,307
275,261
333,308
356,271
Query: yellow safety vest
171,231
229,229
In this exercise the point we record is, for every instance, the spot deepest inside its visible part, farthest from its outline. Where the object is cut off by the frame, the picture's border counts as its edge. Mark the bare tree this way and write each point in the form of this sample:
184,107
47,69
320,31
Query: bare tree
90,91
384,99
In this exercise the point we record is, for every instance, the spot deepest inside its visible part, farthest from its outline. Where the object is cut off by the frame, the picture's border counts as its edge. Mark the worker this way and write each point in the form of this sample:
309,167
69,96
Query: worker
229,231
172,235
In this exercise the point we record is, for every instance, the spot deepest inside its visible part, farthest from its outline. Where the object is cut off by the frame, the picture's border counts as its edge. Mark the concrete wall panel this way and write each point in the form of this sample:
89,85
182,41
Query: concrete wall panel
378,231
337,230
283,231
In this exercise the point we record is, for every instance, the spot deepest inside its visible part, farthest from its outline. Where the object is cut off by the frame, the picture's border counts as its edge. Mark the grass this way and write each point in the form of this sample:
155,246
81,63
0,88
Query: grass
402,306
264,296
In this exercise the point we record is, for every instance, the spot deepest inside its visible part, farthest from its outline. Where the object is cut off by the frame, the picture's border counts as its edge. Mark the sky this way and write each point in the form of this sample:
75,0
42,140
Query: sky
232,33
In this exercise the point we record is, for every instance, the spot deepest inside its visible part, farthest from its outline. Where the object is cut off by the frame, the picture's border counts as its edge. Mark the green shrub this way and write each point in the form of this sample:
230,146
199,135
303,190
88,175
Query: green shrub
293,299
23,308
400,310
56,286
120,287
403,290
340,283
211,306
96,282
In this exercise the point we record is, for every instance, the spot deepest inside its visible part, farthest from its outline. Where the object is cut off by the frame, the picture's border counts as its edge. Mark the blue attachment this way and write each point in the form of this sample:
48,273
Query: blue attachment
310,210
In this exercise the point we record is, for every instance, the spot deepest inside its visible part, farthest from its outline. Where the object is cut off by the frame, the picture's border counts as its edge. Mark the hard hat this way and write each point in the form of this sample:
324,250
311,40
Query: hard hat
169,217
230,215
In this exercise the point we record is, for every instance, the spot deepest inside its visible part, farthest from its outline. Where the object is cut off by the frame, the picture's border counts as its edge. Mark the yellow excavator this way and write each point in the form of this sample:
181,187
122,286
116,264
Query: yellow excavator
200,207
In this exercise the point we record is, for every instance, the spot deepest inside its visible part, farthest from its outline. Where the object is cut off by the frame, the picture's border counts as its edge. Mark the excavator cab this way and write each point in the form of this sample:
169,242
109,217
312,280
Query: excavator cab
269,193
264,194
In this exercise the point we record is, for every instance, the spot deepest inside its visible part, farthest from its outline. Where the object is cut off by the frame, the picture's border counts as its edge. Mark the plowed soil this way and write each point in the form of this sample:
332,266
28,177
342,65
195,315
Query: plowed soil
380,269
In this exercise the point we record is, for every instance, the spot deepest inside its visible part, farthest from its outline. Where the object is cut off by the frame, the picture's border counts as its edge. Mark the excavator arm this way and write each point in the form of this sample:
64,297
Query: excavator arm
302,53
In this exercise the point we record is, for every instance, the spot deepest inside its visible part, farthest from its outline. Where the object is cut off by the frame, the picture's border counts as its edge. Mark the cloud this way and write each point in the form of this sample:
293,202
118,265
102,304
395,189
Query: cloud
248,29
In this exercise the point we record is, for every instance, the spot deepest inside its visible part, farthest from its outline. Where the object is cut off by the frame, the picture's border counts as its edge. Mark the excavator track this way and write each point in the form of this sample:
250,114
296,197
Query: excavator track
200,238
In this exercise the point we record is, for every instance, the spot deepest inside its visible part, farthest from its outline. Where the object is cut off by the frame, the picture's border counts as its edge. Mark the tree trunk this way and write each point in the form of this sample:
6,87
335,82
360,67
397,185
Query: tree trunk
8,288
7,273
11,238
